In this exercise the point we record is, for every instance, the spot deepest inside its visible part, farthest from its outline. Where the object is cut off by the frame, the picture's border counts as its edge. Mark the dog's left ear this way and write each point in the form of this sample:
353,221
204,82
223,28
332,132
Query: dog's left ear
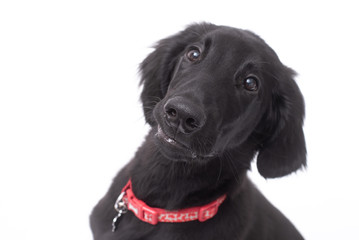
284,150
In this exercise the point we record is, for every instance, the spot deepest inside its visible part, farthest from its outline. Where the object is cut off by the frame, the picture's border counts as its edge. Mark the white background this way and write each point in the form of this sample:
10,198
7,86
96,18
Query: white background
70,115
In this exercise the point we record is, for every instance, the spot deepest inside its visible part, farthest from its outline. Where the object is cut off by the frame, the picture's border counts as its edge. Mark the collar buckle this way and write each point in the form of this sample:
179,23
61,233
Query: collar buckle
148,215
141,210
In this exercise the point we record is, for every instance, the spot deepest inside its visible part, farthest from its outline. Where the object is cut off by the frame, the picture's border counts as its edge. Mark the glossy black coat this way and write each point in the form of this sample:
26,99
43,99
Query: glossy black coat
213,121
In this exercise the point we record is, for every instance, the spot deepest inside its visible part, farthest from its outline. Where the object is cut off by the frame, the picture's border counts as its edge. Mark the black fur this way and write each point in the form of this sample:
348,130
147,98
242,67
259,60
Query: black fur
213,125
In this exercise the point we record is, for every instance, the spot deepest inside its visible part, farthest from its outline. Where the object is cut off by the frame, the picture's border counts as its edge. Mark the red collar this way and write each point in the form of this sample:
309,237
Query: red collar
154,215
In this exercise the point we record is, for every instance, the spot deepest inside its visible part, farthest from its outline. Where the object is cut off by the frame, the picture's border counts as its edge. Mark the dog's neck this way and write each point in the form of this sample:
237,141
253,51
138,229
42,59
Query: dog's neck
168,184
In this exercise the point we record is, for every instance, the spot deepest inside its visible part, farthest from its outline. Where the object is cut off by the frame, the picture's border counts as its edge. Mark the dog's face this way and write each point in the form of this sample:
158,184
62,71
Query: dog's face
214,95
209,90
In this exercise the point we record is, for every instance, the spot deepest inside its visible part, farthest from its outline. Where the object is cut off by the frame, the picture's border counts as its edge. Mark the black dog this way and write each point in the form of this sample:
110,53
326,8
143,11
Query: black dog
216,97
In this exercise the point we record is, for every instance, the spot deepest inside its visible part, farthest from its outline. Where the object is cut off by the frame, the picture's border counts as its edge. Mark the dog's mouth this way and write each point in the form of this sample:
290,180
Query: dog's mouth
172,142
161,134
177,150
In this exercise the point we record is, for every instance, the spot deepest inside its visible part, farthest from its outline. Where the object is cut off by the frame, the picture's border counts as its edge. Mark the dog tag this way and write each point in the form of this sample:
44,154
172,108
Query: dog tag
121,207
116,220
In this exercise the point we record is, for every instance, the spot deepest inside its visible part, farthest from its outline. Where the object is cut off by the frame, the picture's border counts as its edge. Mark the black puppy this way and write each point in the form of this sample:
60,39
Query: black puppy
216,97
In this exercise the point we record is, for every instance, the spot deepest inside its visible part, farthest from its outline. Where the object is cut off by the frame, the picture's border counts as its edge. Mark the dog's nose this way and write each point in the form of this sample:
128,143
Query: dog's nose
184,115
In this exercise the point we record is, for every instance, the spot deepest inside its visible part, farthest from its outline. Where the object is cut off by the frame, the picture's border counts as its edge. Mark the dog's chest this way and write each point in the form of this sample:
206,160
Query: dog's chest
132,229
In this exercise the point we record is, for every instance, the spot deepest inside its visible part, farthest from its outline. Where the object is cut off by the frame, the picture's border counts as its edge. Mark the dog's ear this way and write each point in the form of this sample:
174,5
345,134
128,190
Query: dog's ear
283,150
157,69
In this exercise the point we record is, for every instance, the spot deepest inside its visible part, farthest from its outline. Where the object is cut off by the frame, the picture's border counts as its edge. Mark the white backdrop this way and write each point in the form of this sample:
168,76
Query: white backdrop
70,115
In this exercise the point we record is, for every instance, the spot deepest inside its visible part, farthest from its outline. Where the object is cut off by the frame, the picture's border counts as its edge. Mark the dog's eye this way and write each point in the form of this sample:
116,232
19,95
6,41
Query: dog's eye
193,55
251,84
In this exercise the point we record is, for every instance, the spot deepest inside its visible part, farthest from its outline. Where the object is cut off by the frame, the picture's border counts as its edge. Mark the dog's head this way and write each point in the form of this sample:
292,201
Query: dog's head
212,89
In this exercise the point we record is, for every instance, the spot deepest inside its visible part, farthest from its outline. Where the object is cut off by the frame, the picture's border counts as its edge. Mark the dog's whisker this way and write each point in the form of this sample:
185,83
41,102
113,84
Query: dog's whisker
220,171
235,173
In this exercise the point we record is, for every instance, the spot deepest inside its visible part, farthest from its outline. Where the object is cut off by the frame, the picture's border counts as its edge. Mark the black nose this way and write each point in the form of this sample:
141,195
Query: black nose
184,115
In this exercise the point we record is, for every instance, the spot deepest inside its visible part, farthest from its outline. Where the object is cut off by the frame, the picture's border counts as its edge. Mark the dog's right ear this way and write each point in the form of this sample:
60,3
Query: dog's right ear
157,69
284,150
